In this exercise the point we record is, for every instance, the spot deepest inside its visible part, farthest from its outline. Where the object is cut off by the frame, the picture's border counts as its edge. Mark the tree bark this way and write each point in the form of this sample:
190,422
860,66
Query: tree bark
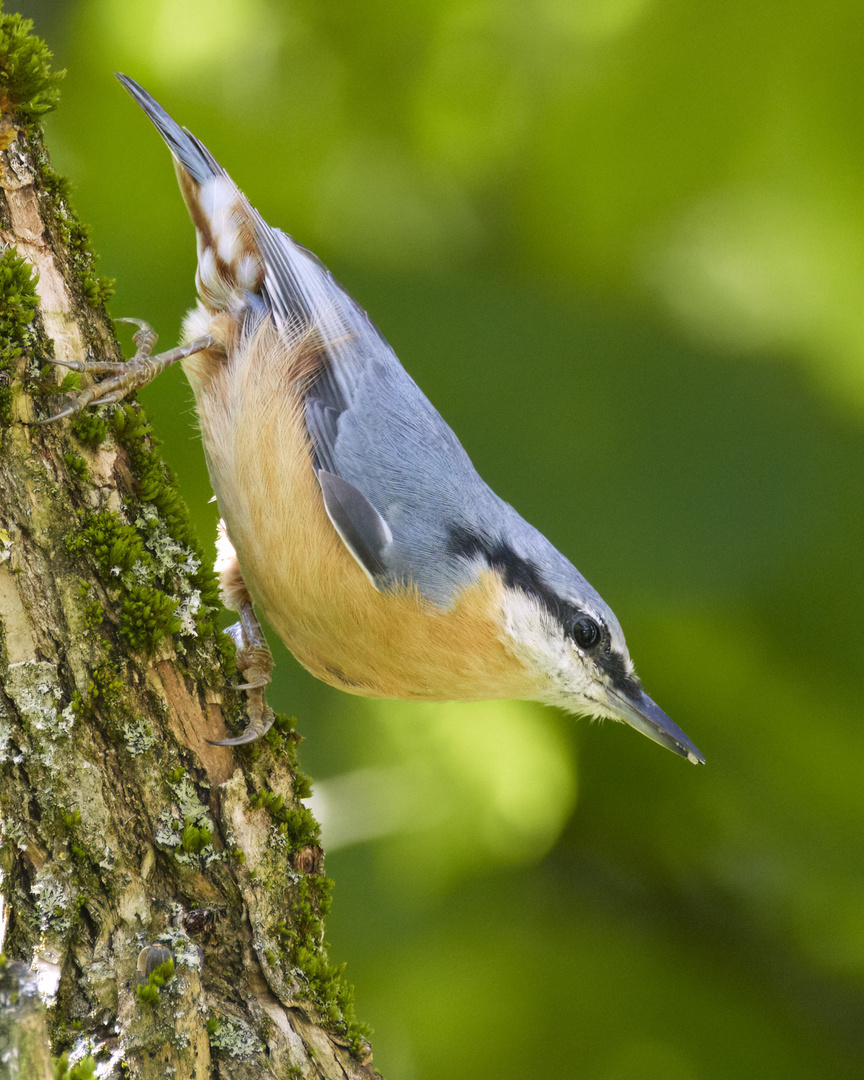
125,838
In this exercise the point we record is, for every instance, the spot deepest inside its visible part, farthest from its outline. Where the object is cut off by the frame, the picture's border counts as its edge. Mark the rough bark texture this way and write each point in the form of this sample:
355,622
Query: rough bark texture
123,834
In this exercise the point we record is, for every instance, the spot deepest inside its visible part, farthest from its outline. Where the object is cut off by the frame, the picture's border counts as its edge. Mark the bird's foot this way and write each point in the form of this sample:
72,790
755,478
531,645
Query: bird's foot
256,665
261,718
141,369
255,661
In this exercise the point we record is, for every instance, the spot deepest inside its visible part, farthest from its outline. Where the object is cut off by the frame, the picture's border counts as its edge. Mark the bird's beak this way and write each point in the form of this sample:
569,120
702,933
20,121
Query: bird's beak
642,714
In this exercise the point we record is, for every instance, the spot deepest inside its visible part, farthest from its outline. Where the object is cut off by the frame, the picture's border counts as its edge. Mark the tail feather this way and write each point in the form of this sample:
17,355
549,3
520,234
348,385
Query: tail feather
229,261
194,157
239,254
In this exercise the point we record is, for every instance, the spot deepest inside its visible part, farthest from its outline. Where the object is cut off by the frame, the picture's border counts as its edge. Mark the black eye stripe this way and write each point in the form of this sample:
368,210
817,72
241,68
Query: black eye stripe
521,574
518,573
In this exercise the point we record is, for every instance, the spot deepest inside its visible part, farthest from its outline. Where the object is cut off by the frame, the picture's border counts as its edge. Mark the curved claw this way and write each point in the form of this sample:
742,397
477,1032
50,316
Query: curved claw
257,727
259,684
73,365
68,411
145,337
255,661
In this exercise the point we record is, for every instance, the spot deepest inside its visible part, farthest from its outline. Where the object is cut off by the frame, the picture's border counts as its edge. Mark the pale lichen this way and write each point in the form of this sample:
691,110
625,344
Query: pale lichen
235,1038
5,737
54,901
35,688
138,736
167,831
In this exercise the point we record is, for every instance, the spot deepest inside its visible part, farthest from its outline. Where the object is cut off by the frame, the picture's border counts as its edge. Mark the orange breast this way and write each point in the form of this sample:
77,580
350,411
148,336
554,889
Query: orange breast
302,578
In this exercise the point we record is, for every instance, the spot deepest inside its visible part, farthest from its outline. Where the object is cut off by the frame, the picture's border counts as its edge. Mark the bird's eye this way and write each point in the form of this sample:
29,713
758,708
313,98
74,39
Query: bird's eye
585,632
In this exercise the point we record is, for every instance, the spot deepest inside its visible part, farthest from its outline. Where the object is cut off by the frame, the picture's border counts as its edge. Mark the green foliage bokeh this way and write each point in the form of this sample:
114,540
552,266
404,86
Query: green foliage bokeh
620,244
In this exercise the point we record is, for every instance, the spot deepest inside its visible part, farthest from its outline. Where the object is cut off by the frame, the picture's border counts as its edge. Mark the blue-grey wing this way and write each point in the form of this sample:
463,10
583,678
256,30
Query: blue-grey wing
397,483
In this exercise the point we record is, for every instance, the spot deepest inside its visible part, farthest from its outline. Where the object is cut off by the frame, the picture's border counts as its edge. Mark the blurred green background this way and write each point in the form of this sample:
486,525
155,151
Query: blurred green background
620,244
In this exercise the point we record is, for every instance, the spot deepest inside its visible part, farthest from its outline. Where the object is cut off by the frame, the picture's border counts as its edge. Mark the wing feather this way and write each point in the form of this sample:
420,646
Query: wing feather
372,428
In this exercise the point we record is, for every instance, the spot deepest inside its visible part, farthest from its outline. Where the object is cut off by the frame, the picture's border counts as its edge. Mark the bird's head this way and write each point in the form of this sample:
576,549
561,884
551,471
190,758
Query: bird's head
572,645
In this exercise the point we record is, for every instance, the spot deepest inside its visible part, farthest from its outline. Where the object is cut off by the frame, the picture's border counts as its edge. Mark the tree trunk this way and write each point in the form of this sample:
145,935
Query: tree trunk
167,896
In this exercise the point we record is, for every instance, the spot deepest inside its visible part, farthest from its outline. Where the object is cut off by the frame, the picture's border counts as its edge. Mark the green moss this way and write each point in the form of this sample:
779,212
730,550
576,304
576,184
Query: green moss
282,740
97,290
302,946
76,465
28,86
18,303
110,542
148,993
74,236
147,617
89,429
18,297
147,613
301,829
195,839
269,801
94,615
153,569
104,691
85,1069
156,485
296,824
71,381
108,680
300,936
28,89
224,644
302,786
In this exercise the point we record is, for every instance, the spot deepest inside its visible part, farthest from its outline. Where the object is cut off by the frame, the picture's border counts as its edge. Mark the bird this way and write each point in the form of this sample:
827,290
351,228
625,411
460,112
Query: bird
352,518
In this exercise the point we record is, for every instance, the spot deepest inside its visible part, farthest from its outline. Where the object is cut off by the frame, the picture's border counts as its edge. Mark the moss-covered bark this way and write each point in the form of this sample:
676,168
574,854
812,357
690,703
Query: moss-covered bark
167,895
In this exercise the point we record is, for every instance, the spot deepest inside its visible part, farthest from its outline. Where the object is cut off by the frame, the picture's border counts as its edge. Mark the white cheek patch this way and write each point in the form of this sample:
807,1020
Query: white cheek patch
562,676
532,633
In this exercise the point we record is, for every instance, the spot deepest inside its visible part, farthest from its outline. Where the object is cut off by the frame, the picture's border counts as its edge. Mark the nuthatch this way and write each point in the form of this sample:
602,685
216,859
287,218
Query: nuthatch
354,521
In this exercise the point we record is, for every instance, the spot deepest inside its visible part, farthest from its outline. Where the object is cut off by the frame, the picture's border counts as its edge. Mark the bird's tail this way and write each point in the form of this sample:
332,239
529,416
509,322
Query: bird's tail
189,153
230,263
